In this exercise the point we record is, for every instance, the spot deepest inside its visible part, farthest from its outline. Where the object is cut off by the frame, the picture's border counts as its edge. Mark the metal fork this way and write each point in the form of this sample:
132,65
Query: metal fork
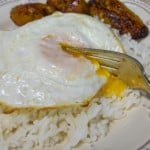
124,67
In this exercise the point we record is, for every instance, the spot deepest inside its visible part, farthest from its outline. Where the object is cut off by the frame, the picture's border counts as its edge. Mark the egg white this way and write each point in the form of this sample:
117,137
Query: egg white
35,71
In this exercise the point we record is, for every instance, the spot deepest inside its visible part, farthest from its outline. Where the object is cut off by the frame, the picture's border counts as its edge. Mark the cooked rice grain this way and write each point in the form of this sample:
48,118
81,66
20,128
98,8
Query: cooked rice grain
45,129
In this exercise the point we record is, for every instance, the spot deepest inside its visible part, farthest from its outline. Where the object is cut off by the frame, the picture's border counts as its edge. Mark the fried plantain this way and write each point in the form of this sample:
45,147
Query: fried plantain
113,12
23,14
116,14
76,6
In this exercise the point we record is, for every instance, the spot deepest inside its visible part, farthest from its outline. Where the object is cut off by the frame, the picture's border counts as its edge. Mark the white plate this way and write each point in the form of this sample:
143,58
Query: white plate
130,133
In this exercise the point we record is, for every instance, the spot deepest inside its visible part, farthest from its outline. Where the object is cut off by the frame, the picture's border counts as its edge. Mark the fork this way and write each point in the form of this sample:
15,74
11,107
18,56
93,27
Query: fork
124,67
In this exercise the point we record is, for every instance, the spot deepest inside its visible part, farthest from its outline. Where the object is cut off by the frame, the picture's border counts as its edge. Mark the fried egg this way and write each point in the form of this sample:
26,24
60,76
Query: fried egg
36,72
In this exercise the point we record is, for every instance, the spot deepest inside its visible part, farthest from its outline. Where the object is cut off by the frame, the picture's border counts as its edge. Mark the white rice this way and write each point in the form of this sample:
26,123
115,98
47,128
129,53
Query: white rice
47,129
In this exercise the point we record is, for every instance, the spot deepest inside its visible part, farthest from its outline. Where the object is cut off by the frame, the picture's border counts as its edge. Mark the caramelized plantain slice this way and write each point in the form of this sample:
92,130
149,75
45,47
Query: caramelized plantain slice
119,17
77,6
113,12
23,14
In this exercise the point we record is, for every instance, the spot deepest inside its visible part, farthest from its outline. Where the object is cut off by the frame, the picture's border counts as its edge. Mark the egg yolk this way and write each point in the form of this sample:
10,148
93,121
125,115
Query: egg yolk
113,86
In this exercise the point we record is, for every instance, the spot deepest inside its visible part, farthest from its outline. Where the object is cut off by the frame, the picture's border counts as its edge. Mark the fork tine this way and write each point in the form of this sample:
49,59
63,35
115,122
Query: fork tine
113,71
111,65
95,52
105,58
104,54
107,62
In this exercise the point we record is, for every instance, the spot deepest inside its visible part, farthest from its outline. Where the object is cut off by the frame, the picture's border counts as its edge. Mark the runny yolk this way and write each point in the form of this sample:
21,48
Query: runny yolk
103,72
113,85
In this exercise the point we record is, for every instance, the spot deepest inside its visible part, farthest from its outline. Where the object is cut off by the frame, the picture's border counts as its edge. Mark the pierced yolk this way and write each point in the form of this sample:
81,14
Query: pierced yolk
113,86
103,72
